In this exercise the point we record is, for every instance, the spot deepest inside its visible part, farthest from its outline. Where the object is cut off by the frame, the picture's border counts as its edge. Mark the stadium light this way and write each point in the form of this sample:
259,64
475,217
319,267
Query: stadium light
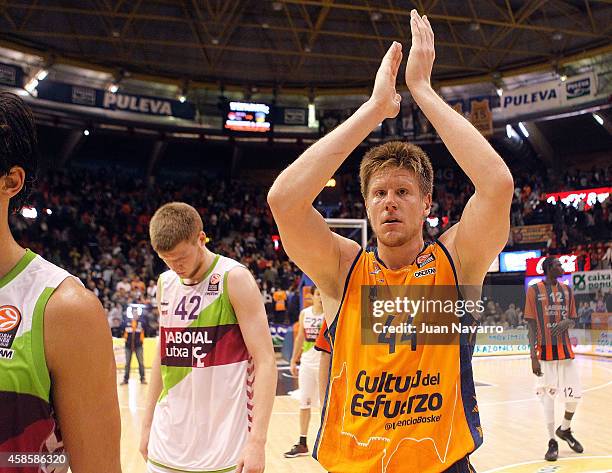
331,183
511,133
42,75
598,119
31,85
29,212
182,98
523,130
86,132
113,88
312,116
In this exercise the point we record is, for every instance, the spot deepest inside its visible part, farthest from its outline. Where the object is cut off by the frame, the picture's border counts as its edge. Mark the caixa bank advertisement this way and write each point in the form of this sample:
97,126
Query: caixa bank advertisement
103,99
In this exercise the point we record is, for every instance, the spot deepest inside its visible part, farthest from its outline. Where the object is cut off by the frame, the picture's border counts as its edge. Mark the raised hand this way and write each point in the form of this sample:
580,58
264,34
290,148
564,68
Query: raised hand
422,52
384,94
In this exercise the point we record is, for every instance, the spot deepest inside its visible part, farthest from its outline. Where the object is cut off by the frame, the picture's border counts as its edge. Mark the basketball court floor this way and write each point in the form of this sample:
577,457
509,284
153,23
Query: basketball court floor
515,438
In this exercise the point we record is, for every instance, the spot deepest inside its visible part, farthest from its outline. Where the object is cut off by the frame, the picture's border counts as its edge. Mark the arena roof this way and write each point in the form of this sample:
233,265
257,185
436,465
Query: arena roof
304,43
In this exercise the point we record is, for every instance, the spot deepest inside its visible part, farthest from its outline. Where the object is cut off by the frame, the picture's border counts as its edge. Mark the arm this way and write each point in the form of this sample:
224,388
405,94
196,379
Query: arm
483,229
83,378
155,389
535,362
246,301
306,237
530,315
298,343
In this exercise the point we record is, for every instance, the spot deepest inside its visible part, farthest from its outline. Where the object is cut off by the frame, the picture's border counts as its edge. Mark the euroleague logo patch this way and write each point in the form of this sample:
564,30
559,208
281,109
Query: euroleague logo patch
10,318
422,260
213,283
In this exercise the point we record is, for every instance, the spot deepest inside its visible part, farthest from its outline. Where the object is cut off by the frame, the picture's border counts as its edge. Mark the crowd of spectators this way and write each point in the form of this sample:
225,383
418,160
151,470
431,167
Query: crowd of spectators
94,223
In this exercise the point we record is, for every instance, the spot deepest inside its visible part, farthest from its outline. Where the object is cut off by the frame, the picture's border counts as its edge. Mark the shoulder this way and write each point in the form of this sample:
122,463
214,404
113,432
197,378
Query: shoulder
240,281
71,312
166,276
227,264
70,302
331,282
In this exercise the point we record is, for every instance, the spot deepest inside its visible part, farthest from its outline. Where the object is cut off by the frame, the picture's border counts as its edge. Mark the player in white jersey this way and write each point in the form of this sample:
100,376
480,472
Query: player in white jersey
311,320
57,370
214,376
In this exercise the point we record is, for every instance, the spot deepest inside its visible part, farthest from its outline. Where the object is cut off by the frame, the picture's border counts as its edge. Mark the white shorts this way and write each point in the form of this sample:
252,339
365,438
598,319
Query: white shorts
308,379
152,468
559,376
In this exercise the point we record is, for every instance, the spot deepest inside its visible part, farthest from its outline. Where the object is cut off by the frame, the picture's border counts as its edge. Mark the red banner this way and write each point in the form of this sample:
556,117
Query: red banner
588,196
569,263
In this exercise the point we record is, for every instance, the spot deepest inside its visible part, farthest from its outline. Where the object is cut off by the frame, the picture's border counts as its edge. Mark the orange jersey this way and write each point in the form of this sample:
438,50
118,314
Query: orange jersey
396,407
280,298
322,342
549,305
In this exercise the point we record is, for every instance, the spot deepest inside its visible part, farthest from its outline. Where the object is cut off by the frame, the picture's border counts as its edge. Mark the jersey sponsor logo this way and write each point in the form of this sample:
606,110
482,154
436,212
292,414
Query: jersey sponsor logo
10,319
422,260
213,283
387,385
425,272
7,353
188,346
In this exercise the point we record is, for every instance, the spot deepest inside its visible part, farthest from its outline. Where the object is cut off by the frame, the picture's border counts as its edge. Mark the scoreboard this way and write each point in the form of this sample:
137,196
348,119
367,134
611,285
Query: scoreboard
248,116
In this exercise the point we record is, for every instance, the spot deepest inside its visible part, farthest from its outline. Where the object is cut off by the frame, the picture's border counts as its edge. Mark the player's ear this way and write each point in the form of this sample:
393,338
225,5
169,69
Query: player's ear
13,181
202,238
426,205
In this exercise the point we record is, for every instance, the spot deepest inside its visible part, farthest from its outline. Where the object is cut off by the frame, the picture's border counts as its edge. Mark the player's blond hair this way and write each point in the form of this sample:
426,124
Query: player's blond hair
396,154
172,224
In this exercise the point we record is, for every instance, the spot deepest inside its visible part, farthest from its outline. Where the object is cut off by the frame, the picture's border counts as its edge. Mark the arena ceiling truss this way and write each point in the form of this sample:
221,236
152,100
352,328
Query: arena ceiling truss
305,43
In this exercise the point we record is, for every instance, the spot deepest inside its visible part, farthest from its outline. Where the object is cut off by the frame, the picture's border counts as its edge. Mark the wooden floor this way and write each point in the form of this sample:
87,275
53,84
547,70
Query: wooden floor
515,434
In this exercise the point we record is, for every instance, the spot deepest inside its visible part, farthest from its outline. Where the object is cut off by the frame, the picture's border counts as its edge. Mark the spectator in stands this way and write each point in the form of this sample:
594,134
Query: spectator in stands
584,314
152,291
511,315
280,305
109,243
123,285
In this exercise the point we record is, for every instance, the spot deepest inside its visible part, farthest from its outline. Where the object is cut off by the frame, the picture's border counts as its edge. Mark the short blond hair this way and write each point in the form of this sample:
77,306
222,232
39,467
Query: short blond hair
396,154
172,224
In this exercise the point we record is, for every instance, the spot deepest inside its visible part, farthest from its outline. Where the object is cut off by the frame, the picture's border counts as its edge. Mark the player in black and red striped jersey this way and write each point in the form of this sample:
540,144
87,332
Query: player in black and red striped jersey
550,310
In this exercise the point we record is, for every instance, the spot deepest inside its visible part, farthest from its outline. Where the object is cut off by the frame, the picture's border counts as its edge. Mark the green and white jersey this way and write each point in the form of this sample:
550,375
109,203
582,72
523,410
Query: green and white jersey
312,326
27,421
203,414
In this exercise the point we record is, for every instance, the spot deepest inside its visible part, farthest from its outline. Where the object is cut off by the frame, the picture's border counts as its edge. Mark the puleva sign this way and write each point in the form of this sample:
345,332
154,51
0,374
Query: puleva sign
548,96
